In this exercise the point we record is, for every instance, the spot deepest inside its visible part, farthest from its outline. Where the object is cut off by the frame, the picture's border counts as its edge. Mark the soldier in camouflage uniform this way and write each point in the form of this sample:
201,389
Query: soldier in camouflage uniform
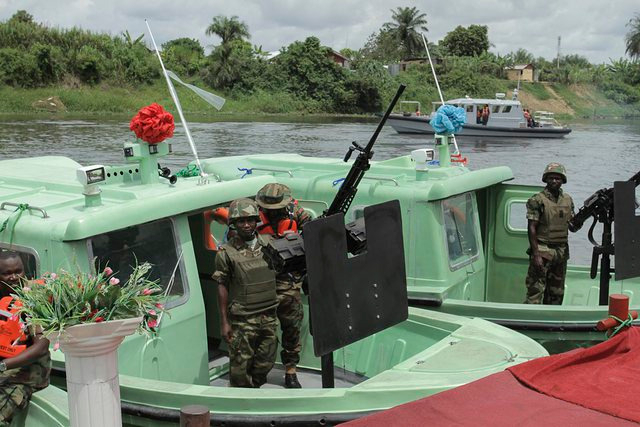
28,371
247,299
548,215
281,214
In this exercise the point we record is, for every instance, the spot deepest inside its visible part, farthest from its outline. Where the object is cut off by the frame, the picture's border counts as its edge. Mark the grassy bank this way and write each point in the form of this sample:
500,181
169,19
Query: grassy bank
568,102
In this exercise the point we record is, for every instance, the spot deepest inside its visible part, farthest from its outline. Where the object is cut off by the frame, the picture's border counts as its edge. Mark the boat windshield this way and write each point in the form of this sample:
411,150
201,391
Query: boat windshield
460,228
153,242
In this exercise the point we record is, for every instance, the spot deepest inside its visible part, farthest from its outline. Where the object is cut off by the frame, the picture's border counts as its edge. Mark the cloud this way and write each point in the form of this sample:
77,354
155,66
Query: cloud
591,28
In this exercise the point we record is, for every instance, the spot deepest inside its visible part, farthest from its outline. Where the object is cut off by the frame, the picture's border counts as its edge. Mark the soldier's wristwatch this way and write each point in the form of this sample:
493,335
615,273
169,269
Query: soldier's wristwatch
3,366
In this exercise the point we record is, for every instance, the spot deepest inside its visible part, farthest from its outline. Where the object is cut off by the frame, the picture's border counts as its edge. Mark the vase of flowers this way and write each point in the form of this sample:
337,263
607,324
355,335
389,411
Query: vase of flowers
87,316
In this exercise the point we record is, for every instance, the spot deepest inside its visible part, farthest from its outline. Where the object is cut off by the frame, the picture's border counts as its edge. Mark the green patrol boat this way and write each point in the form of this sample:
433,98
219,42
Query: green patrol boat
61,215
465,237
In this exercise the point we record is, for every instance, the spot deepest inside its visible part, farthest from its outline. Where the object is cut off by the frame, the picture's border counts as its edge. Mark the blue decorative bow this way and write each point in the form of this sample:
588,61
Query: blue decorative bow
448,119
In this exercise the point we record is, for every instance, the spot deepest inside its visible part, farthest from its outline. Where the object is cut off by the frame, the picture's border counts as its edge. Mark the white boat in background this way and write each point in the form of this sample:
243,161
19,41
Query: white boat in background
506,118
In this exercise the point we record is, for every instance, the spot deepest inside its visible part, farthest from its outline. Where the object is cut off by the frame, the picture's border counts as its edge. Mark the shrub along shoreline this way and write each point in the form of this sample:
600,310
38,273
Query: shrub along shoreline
568,102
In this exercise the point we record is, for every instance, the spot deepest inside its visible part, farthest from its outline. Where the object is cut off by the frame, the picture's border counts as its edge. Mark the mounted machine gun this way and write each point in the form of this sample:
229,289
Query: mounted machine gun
600,205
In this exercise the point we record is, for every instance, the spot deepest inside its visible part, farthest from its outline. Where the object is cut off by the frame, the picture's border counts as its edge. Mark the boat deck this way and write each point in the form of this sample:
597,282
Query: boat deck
309,378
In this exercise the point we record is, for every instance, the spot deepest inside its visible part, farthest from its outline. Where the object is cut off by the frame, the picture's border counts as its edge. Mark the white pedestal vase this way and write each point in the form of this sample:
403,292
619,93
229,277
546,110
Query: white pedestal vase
91,362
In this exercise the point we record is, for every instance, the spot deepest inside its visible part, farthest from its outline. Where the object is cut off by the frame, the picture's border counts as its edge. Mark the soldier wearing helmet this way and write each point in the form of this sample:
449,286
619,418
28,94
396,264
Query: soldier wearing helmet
280,214
548,215
247,299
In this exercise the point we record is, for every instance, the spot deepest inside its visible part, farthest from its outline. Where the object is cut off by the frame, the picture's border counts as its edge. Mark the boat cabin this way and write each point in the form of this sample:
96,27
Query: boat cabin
504,113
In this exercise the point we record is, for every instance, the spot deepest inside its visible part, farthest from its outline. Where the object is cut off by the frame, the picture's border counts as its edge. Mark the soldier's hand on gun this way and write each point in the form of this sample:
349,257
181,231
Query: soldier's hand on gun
225,332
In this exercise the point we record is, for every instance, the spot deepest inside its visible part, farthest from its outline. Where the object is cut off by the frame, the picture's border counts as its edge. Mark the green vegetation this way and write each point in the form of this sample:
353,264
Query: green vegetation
536,89
93,72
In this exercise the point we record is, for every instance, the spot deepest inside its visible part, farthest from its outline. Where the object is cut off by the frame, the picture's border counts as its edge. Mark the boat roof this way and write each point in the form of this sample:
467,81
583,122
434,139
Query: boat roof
49,183
490,101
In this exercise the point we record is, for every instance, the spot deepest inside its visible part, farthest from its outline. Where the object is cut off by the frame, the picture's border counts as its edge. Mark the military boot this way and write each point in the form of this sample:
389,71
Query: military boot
291,381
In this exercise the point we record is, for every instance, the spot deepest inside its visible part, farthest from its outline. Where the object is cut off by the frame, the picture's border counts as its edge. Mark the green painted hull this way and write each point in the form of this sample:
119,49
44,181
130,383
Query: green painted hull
47,408
429,353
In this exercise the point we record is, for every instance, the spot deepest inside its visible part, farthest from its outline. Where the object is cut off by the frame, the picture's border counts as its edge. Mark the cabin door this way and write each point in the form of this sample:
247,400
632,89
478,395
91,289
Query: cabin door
504,229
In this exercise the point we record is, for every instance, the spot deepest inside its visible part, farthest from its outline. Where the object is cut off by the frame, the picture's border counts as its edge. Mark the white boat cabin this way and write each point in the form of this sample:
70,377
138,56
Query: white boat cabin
504,113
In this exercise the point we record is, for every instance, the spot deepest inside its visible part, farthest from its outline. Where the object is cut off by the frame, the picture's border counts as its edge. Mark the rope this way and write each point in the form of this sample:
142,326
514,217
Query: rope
21,208
622,324
189,171
247,171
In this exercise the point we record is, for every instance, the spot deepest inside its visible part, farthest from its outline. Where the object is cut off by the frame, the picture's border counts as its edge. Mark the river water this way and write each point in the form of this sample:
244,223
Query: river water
595,154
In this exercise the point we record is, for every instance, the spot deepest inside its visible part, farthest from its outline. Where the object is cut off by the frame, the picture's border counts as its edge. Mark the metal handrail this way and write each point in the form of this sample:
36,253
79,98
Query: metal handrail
274,170
379,178
16,205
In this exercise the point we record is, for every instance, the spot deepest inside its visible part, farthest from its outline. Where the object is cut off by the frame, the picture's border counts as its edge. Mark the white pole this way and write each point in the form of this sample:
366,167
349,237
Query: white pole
176,101
435,77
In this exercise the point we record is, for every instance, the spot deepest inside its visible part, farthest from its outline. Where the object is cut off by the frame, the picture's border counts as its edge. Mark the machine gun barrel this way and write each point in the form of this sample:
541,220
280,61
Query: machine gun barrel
349,187
598,202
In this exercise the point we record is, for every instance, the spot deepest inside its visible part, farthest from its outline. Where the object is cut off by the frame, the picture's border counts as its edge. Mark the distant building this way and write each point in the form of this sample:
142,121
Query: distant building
397,68
339,59
522,72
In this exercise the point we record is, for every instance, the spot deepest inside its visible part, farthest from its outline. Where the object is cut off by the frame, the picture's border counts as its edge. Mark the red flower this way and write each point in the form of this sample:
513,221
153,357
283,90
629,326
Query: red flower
152,124
99,319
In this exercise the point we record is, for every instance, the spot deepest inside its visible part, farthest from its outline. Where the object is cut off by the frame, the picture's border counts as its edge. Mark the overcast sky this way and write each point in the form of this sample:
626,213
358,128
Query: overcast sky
592,28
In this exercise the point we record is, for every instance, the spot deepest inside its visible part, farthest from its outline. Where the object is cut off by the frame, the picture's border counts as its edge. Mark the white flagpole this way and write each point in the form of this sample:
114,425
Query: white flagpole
176,101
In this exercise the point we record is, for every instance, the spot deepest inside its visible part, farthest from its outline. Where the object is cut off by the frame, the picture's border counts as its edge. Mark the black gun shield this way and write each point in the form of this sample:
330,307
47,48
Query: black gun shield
353,298
626,231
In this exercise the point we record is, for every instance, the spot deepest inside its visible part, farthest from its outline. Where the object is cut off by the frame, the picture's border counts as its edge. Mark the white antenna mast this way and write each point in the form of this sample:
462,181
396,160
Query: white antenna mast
433,70
176,101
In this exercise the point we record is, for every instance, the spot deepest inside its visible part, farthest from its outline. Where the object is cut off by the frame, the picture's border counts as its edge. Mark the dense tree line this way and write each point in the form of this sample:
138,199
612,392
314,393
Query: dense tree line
33,55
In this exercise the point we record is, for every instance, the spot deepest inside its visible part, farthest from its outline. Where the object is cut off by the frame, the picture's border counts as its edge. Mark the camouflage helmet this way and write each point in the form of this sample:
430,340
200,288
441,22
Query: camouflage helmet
243,208
274,196
554,167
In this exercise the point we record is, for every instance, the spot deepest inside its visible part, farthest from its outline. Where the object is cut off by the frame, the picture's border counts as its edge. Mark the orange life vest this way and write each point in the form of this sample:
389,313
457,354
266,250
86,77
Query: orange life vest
12,337
209,217
285,224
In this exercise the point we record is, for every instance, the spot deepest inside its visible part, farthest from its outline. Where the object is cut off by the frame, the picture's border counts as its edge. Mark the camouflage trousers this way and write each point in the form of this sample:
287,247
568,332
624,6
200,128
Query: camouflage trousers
290,315
13,397
546,285
252,350
17,386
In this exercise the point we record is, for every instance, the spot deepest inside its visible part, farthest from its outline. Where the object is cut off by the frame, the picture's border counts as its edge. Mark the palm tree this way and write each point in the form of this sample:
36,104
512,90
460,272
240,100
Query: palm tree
633,38
406,22
228,29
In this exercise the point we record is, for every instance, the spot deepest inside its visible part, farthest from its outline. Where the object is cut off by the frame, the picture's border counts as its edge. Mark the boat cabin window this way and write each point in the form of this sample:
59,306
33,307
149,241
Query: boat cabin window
469,108
496,109
153,242
506,109
460,230
26,255
517,220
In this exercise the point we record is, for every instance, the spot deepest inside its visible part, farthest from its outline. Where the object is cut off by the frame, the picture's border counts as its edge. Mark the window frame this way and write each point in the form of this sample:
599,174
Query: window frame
466,259
24,249
172,303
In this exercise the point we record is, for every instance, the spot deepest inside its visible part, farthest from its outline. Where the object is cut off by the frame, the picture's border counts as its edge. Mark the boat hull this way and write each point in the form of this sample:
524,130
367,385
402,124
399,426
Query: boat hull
429,353
420,125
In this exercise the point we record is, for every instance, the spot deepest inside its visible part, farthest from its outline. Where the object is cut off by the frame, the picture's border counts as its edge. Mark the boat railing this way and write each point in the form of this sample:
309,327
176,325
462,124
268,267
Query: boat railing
417,110
29,207
274,170
381,178
545,119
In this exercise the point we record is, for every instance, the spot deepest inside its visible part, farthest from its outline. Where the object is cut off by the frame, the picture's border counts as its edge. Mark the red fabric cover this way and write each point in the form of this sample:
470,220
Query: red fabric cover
597,386
605,377
497,400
